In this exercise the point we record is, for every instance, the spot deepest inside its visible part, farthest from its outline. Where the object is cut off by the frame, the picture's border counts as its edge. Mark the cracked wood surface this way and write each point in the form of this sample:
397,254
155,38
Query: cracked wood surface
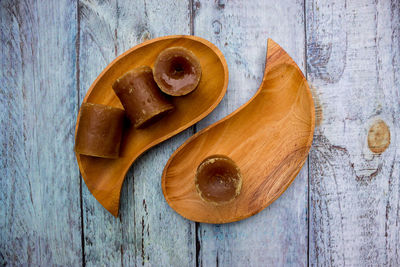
240,30
40,220
353,60
146,232
342,210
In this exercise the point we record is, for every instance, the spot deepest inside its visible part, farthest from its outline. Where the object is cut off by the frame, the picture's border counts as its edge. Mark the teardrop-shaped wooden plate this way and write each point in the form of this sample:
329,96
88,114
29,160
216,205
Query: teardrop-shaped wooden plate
104,177
269,139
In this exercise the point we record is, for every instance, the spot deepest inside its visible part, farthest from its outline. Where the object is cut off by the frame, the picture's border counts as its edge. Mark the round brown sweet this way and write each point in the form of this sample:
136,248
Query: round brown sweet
218,180
143,101
99,130
177,71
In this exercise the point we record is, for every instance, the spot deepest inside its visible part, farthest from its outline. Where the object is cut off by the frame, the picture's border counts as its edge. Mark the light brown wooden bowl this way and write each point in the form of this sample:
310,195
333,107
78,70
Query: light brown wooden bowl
269,139
104,177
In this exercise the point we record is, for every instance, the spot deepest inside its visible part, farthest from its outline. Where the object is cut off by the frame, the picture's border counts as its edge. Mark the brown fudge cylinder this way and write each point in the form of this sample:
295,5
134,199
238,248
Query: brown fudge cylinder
143,101
177,71
218,180
99,131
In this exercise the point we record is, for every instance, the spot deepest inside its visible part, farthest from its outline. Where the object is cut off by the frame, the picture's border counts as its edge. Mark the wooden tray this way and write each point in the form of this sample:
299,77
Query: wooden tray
269,139
104,177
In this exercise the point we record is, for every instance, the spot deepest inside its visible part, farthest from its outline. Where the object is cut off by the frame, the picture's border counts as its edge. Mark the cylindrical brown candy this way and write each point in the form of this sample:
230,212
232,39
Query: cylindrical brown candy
143,101
99,130
177,71
218,180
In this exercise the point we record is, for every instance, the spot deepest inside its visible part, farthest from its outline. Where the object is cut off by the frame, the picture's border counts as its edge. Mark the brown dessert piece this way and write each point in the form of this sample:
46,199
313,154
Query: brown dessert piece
218,180
99,130
143,101
177,71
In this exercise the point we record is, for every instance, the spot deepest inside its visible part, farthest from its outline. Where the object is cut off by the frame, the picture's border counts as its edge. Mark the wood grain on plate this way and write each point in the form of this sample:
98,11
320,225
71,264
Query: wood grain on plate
104,177
268,138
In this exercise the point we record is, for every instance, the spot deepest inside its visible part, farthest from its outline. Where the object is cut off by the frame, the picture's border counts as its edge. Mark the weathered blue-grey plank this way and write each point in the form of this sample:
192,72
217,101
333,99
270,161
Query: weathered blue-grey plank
353,61
40,222
148,231
278,235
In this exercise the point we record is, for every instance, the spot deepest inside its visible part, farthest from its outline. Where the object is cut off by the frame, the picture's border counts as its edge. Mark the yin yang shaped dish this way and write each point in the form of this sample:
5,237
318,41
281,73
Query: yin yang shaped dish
268,138
104,177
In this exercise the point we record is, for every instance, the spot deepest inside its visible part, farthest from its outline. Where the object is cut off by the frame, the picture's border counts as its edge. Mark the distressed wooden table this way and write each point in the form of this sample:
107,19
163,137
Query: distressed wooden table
342,210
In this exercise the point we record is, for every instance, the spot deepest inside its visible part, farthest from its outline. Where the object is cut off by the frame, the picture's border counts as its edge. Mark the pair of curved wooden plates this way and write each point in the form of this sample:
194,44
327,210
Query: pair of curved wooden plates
269,137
